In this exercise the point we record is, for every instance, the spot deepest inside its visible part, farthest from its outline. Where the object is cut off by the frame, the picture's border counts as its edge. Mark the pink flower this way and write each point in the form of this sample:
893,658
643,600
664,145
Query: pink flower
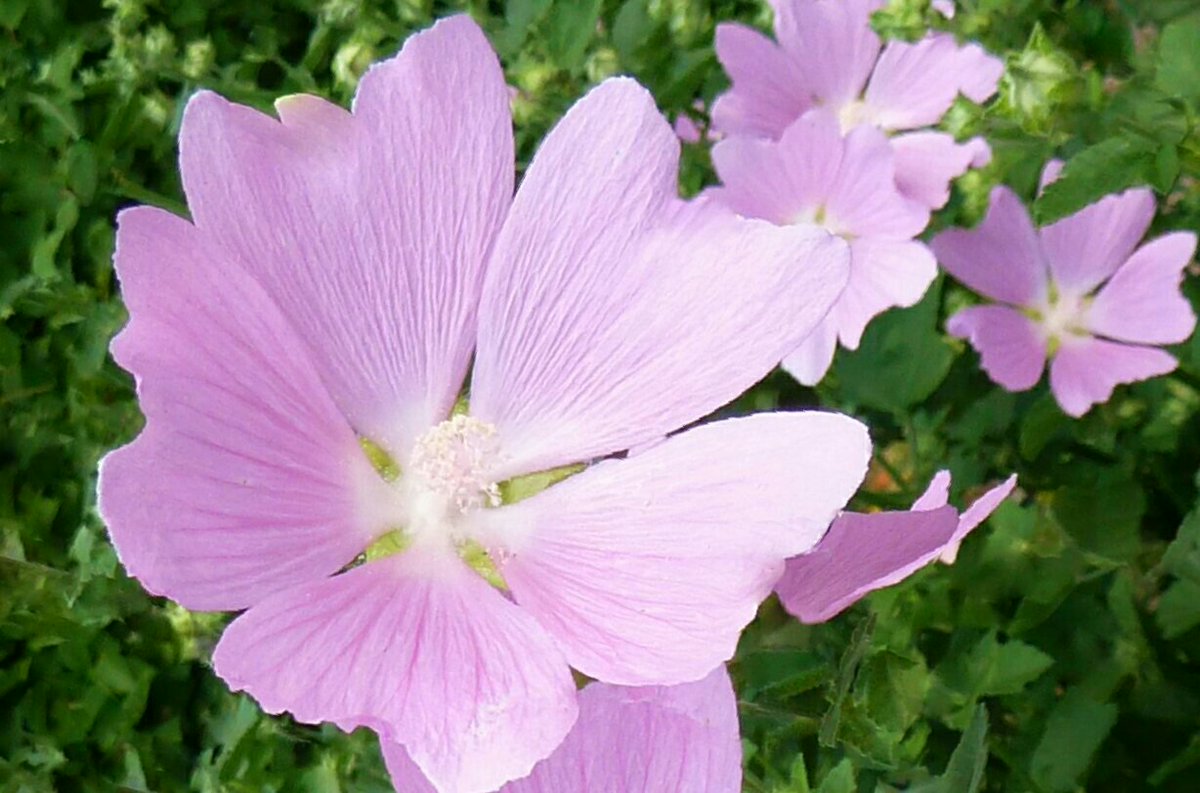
828,56
341,273
813,174
653,738
1076,292
865,552
944,7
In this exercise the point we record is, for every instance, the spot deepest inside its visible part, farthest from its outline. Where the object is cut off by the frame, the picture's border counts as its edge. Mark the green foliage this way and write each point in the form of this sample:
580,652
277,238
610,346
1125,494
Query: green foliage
1059,653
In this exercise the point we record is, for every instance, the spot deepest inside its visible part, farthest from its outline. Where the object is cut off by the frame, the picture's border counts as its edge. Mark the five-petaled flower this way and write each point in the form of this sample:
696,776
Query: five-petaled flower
341,272
1076,292
827,56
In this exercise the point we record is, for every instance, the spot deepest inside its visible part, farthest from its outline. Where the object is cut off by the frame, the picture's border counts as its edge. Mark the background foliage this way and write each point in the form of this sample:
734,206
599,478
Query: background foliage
1059,653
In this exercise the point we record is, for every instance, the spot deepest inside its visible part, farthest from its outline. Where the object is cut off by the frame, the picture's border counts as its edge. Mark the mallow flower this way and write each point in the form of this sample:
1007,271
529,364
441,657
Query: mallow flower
867,551
826,55
1079,292
814,174
637,739
300,348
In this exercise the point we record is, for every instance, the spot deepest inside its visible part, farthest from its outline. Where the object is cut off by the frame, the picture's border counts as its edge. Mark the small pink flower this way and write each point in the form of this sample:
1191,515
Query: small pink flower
865,552
342,273
826,55
629,740
1076,292
813,174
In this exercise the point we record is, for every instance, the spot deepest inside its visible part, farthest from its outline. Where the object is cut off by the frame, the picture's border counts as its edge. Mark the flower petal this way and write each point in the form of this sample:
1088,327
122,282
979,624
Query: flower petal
419,649
760,178
1011,345
1085,370
647,569
862,553
650,738
979,511
883,274
768,92
246,478
914,84
926,163
1142,302
833,43
1086,248
614,313
370,230
1002,257
865,200
809,362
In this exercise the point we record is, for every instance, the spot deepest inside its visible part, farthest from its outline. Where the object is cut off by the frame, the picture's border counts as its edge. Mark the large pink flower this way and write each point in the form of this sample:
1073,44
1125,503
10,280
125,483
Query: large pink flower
341,271
865,552
631,740
826,55
1076,292
814,174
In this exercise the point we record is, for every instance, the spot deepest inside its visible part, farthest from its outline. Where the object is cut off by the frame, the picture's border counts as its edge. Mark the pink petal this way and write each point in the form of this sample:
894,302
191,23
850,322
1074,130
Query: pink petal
687,130
1085,370
944,7
1142,302
647,569
809,362
883,274
768,92
1050,173
1002,257
865,200
833,43
862,553
1084,249
651,738
613,312
777,181
418,648
936,495
370,230
914,84
927,162
979,511
1011,345
246,478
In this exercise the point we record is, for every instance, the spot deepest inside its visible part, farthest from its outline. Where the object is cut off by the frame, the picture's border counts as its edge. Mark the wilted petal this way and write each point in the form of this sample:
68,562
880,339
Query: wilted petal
647,569
1142,302
1012,347
370,230
768,91
632,740
1085,370
615,313
1086,248
927,162
914,84
246,478
1002,257
421,650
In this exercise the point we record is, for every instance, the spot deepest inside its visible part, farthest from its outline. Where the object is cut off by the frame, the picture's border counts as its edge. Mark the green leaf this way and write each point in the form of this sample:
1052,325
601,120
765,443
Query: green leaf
1074,731
1178,71
570,26
1103,513
964,772
1107,167
840,780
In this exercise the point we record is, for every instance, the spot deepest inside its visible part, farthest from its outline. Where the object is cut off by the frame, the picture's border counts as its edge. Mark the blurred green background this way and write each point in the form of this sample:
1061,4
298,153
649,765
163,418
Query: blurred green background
1059,653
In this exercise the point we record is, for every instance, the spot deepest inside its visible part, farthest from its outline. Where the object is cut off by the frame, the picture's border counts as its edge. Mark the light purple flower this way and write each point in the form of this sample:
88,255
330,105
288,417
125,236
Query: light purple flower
1076,292
631,740
814,174
865,552
341,272
826,55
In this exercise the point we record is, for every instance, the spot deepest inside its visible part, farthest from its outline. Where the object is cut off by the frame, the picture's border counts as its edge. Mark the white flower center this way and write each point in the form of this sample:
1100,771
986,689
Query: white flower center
1064,315
451,465
854,113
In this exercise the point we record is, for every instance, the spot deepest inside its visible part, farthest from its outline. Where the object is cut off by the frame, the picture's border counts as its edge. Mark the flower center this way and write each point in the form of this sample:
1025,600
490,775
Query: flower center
450,466
853,114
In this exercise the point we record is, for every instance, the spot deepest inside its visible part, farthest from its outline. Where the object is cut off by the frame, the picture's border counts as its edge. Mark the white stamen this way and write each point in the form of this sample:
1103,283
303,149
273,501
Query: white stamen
854,113
452,462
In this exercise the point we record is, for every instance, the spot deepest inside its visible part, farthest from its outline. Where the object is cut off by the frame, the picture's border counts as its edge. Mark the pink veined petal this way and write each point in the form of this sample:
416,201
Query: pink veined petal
246,478
1002,257
369,229
1085,370
865,200
832,43
1050,173
936,495
927,162
768,91
1084,249
1012,347
883,274
1142,302
632,740
809,362
614,313
979,511
421,650
646,569
862,553
914,84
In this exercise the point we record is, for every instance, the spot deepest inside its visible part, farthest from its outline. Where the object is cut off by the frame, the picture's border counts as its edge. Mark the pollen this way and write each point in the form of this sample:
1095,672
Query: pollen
454,460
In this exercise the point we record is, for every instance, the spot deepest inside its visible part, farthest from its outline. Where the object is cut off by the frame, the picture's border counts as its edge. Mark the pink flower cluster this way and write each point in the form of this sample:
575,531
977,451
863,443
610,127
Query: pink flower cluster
437,442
